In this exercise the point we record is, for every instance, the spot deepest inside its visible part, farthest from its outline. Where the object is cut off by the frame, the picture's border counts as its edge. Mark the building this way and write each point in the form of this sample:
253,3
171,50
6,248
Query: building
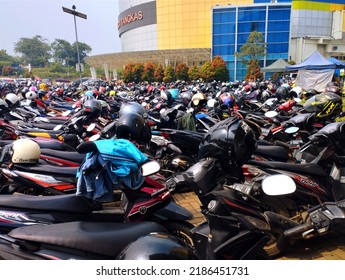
192,31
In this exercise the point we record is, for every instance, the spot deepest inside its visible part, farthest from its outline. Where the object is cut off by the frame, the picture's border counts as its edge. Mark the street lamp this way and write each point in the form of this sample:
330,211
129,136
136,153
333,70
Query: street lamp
84,16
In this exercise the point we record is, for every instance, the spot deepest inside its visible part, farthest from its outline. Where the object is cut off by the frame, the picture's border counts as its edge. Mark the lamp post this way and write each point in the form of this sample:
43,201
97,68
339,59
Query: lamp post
84,16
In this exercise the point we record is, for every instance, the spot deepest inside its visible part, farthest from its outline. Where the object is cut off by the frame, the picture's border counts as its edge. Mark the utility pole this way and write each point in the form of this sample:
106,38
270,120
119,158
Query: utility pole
84,16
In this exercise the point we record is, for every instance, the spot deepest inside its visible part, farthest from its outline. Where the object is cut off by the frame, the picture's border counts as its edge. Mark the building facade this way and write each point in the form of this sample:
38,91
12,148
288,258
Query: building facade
170,31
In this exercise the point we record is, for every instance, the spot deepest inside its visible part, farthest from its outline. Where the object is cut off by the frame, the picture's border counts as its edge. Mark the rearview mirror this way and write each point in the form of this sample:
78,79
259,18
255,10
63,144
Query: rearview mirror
292,130
271,114
150,168
94,137
58,127
66,113
91,127
278,184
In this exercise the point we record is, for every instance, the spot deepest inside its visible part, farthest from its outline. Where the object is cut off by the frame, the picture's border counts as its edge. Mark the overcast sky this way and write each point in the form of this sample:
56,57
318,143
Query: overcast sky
28,18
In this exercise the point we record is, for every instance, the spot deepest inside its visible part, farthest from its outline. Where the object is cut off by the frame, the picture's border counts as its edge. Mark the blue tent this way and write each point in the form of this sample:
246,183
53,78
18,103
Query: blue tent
314,62
338,63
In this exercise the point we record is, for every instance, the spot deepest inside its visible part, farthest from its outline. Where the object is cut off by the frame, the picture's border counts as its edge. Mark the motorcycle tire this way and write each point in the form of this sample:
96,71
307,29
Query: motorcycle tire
182,230
279,242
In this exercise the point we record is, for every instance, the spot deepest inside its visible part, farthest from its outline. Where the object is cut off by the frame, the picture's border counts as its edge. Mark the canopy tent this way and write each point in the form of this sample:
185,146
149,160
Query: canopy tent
277,66
314,62
338,63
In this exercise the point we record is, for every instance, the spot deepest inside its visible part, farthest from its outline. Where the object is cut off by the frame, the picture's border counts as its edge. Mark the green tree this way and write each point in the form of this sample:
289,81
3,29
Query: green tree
251,52
181,72
4,56
84,50
62,50
207,72
193,73
169,74
35,51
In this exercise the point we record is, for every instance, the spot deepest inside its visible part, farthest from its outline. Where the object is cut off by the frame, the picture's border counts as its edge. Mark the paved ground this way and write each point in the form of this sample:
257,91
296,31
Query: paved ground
330,247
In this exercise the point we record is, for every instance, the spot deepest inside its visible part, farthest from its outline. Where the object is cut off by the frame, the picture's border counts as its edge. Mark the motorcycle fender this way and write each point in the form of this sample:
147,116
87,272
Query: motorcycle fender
171,211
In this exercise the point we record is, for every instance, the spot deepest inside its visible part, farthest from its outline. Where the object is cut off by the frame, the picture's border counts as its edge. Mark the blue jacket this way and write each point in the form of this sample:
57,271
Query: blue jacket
116,164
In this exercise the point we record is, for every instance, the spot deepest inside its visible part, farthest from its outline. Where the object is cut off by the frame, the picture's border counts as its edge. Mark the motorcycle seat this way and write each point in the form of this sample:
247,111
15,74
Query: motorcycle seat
47,169
67,155
102,238
274,152
66,203
304,168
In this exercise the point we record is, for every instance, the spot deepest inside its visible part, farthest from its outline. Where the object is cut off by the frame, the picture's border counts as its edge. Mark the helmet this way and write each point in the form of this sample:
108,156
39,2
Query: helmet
157,246
247,88
232,138
41,93
186,97
25,151
227,99
133,127
89,93
92,107
308,93
3,104
133,107
11,99
33,88
112,93
281,93
334,89
296,91
326,104
31,95
166,95
199,99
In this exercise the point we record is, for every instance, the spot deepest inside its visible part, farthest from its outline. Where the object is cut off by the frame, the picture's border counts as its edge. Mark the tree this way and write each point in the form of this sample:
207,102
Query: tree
251,52
207,72
181,72
4,56
84,50
159,73
169,74
221,72
149,70
193,73
35,51
254,71
62,50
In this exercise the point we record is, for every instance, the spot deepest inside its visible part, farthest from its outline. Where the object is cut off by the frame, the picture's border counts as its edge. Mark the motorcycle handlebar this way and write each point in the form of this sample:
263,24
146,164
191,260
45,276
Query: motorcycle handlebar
298,229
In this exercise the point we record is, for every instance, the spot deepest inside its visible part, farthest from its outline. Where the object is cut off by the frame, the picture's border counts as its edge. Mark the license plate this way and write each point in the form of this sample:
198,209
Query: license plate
243,188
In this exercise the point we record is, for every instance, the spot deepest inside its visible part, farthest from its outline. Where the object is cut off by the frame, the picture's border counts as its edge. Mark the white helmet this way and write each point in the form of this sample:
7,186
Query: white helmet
11,99
31,95
25,151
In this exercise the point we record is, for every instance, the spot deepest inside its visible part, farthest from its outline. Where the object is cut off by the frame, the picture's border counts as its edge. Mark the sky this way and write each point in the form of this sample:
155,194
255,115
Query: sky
28,18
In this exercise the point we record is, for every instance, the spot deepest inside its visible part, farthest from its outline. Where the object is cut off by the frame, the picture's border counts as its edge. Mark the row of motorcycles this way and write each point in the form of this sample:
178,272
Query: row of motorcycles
264,179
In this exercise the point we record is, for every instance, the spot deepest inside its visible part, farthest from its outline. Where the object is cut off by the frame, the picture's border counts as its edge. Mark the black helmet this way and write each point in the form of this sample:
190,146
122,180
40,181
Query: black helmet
186,97
325,105
232,138
281,93
92,107
133,107
157,246
133,127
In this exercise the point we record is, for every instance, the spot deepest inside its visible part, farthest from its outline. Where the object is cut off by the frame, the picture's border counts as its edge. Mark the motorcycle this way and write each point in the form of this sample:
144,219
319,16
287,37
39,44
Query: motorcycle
235,228
318,174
